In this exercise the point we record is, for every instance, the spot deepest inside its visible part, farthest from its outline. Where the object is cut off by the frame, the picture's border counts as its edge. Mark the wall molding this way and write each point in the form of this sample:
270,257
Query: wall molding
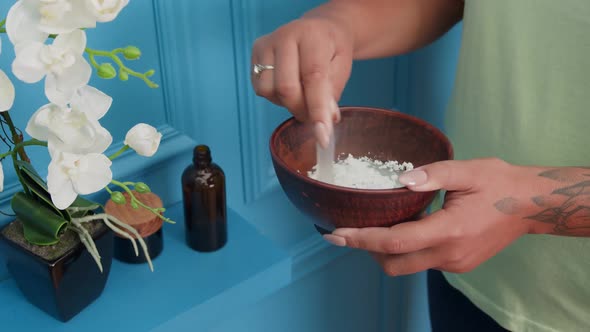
258,175
177,52
311,254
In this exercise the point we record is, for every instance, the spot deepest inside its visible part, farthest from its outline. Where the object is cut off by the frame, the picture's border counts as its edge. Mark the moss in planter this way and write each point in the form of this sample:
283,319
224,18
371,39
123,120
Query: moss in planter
67,240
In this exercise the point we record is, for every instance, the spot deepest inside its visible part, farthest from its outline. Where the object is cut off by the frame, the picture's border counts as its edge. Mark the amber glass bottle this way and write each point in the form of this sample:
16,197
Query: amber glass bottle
205,215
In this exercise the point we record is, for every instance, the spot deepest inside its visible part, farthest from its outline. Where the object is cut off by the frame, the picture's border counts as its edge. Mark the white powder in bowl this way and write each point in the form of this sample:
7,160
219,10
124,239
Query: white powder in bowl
365,173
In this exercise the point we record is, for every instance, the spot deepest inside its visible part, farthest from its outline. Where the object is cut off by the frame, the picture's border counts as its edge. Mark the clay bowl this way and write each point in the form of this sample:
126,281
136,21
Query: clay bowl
387,135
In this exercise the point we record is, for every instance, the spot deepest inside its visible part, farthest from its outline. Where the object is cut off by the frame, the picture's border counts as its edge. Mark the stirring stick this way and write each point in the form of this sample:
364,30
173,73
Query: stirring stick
325,159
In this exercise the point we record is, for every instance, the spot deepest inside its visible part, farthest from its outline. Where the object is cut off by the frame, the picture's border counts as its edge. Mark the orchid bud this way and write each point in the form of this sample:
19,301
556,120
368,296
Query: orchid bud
150,73
144,139
142,188
118,197
131,53
106,71
123,76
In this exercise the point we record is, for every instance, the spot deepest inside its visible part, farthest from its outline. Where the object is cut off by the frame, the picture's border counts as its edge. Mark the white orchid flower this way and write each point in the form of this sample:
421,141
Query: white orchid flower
6,89
1,178
144,139
62,62
22,24
6,92
91,101
70,175
106,10
74,129
34,20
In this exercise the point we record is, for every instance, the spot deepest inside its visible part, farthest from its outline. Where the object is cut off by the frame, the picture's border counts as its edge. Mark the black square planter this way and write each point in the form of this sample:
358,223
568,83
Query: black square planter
65,286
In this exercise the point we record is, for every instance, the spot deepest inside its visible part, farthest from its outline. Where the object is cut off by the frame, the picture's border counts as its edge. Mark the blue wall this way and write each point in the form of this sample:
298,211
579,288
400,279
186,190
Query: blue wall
201,50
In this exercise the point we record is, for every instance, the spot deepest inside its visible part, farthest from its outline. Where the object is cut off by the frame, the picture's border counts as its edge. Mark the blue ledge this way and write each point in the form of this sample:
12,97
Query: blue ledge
187,291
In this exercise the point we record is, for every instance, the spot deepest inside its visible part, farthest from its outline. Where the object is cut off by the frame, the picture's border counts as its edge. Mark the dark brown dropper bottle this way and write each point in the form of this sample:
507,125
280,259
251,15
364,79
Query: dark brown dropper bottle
205,216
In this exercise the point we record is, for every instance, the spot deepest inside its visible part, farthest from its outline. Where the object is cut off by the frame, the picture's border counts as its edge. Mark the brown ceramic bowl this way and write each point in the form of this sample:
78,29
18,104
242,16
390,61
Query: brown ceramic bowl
387,135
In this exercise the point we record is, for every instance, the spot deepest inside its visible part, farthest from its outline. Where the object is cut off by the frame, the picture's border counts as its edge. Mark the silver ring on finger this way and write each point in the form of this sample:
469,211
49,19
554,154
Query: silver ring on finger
257,69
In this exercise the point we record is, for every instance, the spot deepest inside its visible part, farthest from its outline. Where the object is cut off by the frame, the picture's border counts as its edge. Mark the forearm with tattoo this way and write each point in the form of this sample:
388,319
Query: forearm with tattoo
567,207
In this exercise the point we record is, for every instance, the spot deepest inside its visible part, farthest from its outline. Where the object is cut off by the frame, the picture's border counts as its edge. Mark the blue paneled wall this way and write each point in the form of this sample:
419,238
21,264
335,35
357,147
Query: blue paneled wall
201,53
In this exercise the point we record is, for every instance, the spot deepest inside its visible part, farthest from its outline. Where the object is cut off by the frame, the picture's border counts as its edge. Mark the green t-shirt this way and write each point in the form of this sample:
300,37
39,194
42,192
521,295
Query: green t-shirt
522,94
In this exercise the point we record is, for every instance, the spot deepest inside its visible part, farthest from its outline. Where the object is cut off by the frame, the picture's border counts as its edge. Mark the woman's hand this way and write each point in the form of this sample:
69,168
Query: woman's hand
312,59
312,56
489,204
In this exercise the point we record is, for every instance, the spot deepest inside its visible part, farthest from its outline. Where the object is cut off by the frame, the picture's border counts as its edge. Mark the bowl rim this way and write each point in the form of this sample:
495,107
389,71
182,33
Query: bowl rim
325,185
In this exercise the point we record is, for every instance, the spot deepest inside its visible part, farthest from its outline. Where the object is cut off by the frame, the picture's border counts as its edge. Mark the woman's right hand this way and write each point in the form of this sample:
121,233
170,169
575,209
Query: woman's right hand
312,59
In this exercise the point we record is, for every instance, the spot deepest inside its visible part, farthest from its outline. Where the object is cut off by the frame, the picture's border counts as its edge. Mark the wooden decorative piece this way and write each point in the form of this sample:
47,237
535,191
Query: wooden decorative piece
148,225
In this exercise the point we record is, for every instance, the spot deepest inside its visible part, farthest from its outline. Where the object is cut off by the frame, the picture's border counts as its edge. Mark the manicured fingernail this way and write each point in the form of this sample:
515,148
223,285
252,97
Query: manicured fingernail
322,134
415,177
336,112
343,232
335,240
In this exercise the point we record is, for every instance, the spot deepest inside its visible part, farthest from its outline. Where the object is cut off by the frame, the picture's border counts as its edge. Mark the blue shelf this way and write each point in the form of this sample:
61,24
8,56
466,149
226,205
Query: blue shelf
188,290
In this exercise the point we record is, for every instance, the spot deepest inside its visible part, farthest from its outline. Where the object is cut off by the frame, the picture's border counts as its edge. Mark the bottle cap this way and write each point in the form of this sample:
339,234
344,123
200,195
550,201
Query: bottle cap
202,154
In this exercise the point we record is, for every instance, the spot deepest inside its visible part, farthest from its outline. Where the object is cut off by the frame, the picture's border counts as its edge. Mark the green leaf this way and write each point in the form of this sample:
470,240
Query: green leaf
85,206
41,225
30,170
37,186
81,202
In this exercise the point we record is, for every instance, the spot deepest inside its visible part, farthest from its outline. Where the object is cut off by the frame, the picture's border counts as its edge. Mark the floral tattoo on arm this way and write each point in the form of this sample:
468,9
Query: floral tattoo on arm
567,207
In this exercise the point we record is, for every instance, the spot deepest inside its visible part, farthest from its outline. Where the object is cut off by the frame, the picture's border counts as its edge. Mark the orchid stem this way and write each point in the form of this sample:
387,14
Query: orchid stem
21,145
92,53
133,198
16,138
118,153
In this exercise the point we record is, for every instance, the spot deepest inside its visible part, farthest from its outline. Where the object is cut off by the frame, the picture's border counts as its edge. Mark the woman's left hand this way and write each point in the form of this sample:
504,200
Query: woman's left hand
489,204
